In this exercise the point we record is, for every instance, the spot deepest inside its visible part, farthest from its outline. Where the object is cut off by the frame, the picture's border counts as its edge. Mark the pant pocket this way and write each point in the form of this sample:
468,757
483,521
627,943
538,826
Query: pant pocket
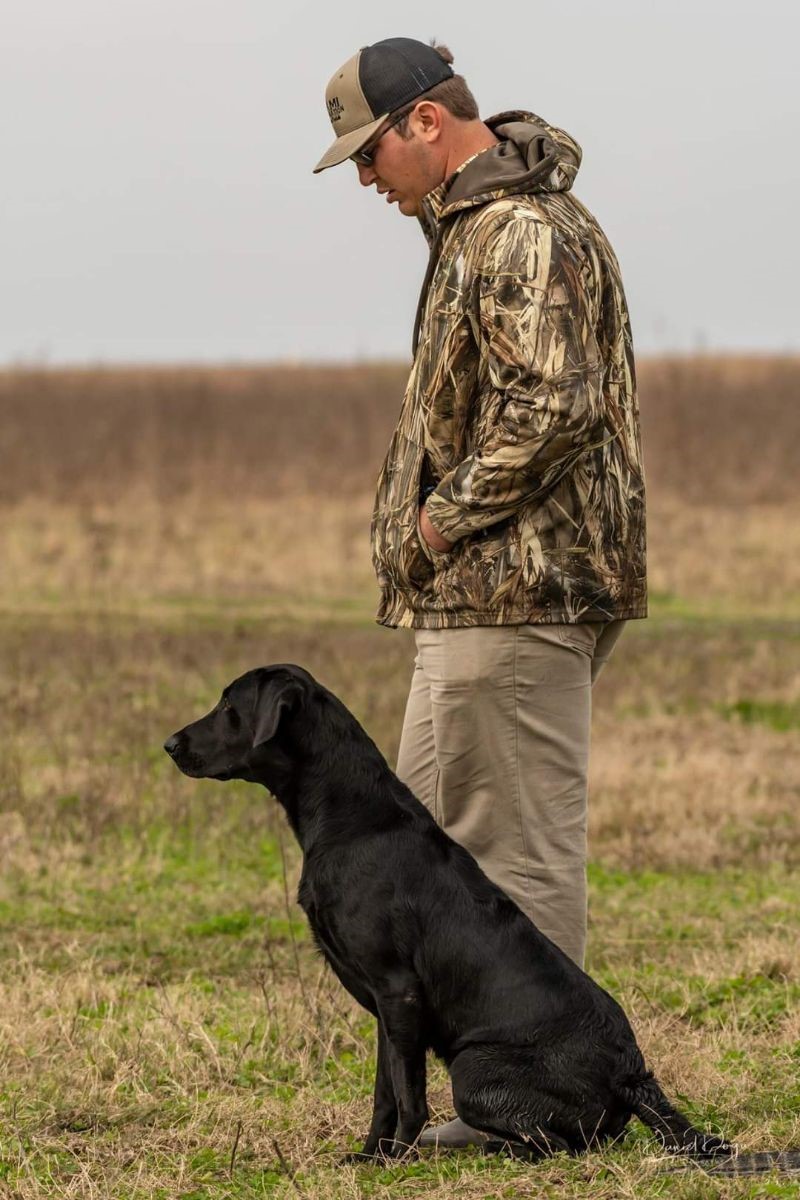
580,636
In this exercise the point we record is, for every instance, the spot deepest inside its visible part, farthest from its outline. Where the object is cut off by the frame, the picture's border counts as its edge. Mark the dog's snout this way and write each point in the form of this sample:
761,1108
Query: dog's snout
171,744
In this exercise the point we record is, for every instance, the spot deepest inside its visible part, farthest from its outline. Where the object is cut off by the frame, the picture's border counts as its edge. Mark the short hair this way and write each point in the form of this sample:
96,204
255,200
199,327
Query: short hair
453,94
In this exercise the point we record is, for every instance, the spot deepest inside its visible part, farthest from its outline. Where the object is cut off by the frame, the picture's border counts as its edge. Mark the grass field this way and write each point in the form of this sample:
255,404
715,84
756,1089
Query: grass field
165,1027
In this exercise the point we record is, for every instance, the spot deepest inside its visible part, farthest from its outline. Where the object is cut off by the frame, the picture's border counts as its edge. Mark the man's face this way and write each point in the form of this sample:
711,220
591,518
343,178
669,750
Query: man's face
403,169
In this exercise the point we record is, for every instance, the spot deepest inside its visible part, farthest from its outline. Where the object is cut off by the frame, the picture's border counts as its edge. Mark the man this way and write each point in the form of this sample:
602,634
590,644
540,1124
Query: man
509,524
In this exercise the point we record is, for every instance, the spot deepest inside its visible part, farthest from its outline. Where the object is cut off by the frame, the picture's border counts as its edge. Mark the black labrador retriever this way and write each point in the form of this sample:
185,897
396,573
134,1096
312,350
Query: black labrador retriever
541,1058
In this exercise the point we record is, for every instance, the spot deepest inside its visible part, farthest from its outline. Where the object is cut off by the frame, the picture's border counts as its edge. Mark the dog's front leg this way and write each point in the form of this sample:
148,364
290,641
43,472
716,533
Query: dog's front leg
384,1110
401,1016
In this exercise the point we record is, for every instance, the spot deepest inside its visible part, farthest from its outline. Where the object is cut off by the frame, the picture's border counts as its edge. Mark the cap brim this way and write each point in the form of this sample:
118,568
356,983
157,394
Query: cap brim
348,144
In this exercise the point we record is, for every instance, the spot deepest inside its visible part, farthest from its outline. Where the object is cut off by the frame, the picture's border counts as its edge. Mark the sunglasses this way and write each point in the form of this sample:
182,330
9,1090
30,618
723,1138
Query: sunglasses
365,156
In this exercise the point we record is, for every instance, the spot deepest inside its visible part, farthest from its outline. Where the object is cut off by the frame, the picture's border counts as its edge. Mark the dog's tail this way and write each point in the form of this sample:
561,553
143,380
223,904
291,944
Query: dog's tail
645,1098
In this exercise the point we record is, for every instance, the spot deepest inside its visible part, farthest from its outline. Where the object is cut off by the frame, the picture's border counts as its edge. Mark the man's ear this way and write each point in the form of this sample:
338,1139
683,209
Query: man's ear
426,121
274,695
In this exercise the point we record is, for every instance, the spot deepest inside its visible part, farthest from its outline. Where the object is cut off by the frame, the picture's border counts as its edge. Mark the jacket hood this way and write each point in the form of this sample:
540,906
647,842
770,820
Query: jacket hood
531,156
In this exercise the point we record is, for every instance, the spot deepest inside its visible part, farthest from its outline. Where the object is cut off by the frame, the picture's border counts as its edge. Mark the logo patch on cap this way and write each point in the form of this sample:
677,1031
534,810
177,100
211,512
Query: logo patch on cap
335,108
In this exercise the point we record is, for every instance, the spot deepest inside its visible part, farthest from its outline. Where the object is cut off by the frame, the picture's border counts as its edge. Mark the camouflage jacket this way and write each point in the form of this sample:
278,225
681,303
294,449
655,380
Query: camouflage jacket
520,421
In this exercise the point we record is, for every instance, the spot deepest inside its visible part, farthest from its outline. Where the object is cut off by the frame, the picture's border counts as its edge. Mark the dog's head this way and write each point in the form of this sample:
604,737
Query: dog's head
239,738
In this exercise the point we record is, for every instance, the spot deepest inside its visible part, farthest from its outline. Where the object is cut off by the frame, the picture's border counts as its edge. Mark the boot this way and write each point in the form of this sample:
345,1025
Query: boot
455,1135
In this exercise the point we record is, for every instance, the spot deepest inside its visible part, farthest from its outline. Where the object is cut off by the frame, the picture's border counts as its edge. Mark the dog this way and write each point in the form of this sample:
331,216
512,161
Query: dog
541,1058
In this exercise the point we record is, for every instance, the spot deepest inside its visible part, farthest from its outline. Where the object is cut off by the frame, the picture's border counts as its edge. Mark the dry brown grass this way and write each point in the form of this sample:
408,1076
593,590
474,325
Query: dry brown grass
256,484
277,556
89,436
679,778
142,1096
717,431
165,1030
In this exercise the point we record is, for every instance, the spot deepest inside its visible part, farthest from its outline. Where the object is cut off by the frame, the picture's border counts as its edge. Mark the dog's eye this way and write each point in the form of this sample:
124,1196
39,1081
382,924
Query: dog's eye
226,702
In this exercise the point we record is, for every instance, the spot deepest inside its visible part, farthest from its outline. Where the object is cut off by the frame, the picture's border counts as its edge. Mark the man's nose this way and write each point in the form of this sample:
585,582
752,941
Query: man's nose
366,175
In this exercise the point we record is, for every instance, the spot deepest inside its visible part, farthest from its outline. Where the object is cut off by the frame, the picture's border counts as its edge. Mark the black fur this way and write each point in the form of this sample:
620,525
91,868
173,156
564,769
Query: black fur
540,1056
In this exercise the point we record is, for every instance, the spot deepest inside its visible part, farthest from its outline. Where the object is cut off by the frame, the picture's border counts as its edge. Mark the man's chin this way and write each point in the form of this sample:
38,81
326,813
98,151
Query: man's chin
408,207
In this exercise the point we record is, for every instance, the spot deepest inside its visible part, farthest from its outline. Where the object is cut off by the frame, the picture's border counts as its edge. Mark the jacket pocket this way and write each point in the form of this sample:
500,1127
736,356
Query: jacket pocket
417,564
398,551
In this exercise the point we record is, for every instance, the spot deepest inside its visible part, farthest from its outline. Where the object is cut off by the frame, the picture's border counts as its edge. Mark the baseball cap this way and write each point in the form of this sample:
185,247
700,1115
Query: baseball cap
371,85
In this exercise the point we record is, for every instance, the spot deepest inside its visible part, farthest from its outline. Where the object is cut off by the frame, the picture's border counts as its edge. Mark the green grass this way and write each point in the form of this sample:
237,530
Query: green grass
776,714
356,609
210,951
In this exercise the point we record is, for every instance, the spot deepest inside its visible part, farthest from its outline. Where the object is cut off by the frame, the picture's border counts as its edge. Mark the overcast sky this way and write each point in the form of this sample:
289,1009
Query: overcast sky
158,202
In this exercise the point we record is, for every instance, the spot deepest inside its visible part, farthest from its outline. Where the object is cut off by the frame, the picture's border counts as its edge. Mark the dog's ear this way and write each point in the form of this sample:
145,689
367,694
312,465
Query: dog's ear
274,695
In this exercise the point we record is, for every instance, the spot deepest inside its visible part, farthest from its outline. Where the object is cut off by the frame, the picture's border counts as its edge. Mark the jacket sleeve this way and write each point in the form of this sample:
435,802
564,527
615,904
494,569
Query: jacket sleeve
534,319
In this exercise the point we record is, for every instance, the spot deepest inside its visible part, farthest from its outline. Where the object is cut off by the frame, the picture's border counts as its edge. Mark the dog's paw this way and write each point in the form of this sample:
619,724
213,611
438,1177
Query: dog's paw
356,1157
400,1152
382,1152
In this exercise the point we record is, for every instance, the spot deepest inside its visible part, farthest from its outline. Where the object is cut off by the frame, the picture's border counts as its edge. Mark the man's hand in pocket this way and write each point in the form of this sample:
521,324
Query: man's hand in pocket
434,539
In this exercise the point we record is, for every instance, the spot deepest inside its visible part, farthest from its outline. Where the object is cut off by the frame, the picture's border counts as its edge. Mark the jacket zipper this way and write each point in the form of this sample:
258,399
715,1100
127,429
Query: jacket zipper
426,283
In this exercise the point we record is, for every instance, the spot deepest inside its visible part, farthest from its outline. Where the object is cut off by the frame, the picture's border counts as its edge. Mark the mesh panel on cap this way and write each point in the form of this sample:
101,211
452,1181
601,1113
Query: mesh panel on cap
397,70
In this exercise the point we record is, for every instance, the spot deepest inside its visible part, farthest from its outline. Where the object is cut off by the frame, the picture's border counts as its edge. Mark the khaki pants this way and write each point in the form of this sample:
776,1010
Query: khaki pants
495,743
